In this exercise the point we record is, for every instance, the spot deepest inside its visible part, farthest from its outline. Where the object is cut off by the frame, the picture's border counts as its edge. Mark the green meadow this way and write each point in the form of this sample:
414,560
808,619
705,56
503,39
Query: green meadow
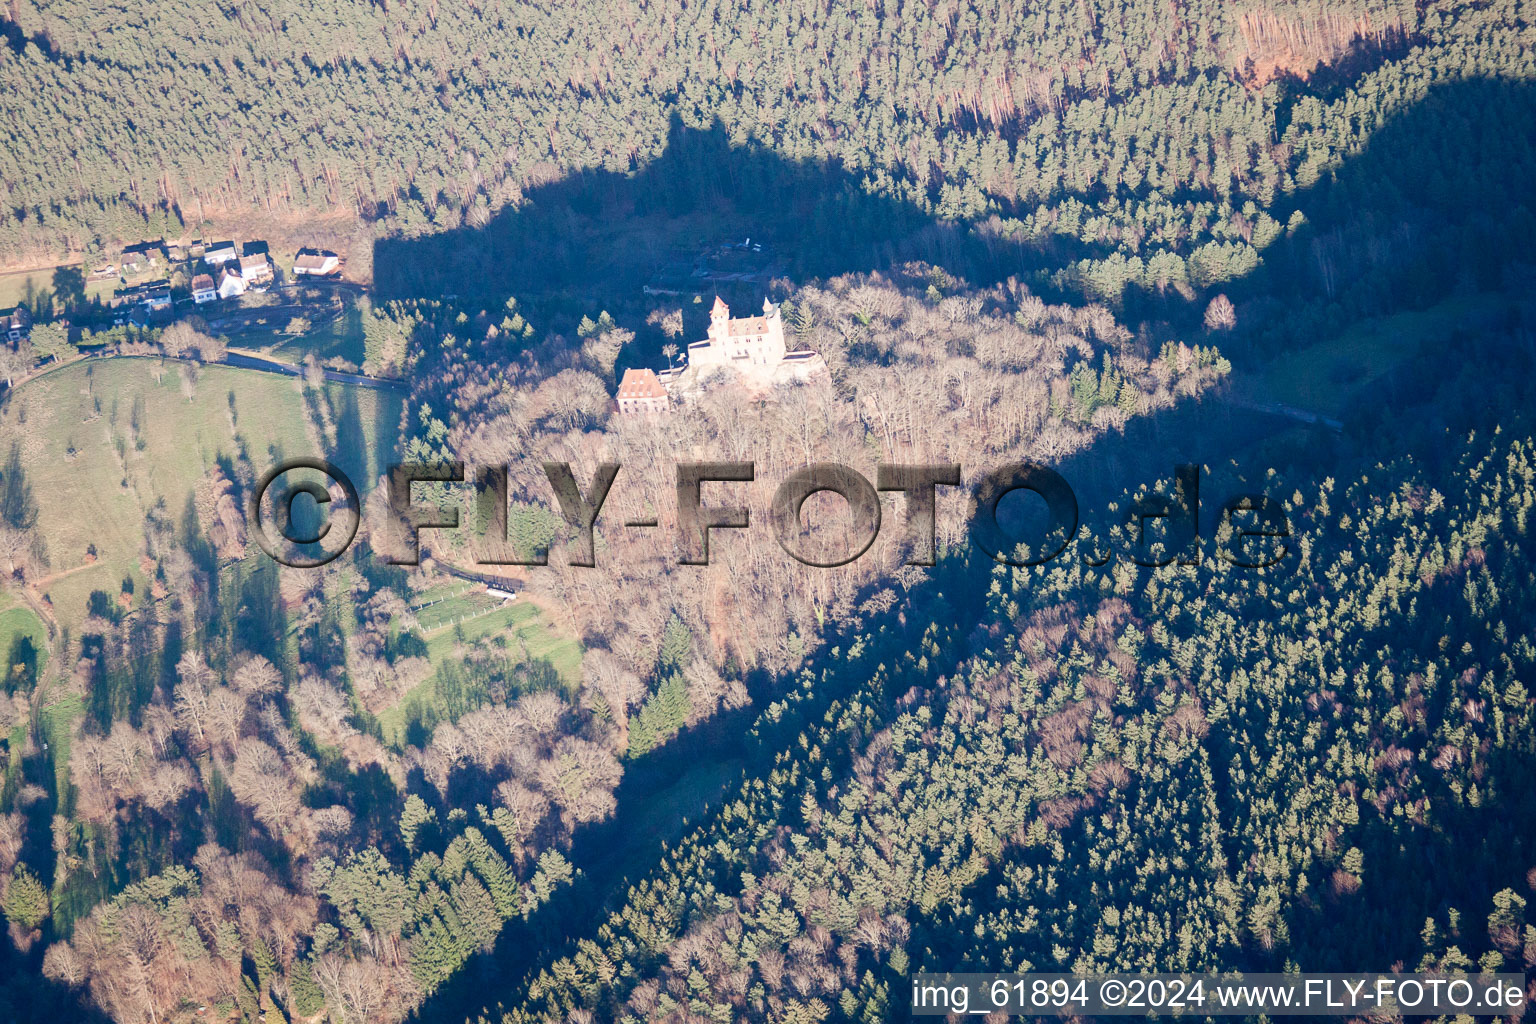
456,615
104,442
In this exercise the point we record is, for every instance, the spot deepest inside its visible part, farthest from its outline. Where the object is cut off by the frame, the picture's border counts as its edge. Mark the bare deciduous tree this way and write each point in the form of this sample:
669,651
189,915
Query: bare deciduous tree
15,361
1220,315
257,679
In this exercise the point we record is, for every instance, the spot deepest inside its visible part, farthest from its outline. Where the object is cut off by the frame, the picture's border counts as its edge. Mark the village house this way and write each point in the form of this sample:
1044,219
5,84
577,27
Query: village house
316,263
256,270
157,297
231,282
143,304
141,257
218,253
203,289
16,323
640,393
152,295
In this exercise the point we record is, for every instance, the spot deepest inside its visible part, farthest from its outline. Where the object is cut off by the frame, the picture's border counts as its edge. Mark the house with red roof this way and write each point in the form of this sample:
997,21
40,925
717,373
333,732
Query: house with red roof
640,393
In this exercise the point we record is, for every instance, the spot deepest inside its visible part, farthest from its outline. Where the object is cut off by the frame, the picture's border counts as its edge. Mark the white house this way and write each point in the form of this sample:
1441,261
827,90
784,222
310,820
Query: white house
217,253
231,283
316,263
256,270
203,289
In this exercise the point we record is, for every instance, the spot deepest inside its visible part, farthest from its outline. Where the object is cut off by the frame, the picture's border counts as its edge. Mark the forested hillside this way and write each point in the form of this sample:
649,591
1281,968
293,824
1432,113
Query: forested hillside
263,789
1163,136
918,374
1211,768
1293,241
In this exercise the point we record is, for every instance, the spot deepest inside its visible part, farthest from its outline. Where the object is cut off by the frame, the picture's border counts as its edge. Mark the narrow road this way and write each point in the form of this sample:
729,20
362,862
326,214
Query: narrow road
237,358
1230,397
251,361
54,577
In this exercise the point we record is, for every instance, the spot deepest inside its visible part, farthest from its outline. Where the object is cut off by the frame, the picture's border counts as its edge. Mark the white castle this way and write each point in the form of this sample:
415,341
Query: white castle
752,346
753,343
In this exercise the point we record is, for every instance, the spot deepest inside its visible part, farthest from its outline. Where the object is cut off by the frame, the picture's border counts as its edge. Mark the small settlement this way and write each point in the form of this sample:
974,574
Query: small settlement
216,270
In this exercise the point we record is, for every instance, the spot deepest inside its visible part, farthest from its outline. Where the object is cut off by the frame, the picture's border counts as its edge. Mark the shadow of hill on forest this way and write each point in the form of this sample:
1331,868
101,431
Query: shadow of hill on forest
1441,201
597,236
1446,181
1415,171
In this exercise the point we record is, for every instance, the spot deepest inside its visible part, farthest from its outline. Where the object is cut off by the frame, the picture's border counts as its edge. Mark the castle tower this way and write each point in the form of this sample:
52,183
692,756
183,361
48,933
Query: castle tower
719,319
753,344
773,345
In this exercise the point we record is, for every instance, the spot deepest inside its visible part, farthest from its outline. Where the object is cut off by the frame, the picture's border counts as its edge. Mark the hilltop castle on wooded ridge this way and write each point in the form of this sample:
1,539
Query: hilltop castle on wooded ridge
753,346
749,344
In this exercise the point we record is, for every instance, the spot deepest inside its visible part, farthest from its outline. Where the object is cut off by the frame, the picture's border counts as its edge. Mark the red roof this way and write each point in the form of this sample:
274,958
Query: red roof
641,384
749,326
720,308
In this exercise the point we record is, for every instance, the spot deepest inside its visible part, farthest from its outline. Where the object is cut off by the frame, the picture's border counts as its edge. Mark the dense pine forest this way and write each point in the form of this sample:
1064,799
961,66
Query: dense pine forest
1290,242
1319,763
1154,143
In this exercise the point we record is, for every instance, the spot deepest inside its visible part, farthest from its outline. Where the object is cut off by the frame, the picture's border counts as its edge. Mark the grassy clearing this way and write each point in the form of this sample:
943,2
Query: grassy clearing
526,629
95,482
441,592
18,621
1324,377
96,475
527,635
59,720
440,615
28,285
339,338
